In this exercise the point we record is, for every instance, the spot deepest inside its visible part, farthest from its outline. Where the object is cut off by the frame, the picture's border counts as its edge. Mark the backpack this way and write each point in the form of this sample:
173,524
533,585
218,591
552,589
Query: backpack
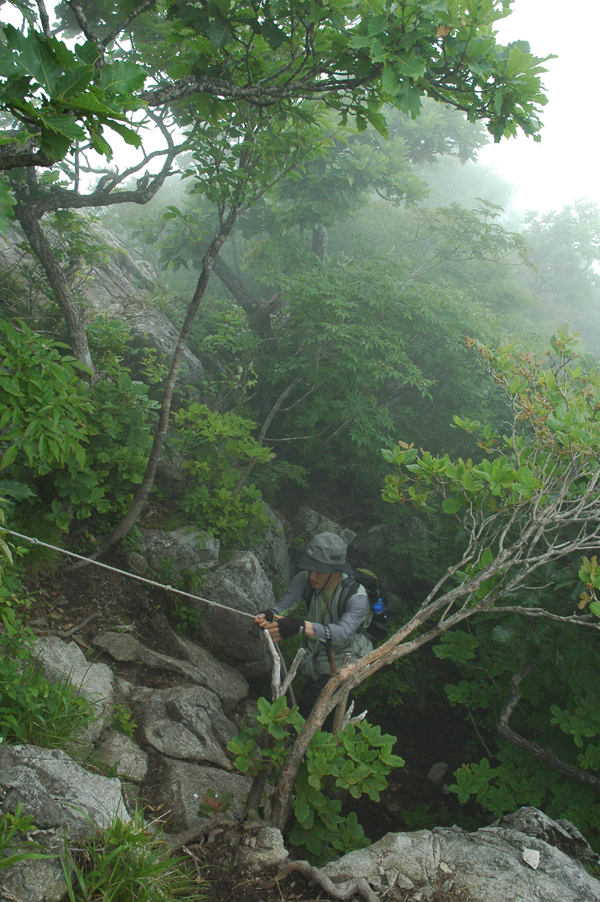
376,627
375,624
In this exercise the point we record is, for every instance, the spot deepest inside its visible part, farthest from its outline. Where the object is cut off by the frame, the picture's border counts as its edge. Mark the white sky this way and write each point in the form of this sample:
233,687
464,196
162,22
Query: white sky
566,165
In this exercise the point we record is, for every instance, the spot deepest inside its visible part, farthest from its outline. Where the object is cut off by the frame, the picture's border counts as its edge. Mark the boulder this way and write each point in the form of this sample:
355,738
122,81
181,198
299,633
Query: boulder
187,723
124,755
241,584
516,859
66,661
41,880
185,786
263,849
126,648
308,523
65,801
273,552
222,678
371,545
188,549
57,792
152,329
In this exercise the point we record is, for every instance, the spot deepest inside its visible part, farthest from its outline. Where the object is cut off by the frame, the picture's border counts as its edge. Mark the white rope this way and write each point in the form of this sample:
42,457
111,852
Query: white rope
142,579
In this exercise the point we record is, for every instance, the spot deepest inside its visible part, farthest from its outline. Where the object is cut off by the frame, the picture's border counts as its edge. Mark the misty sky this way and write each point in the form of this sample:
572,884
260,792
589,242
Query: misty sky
566,165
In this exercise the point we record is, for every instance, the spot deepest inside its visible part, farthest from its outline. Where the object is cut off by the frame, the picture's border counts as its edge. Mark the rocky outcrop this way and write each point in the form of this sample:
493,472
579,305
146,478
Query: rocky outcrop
187,549
524,857
62,661
66,802
308,523
151,329
241,584
273,551
197,665
185,785
123,756
186,723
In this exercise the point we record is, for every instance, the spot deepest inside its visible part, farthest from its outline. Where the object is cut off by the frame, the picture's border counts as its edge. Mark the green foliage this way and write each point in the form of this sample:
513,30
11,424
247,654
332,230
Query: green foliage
122,719
63,94
34,710
188,619
63,441
557,706
43,411
15,844
215,446
126,863
356,761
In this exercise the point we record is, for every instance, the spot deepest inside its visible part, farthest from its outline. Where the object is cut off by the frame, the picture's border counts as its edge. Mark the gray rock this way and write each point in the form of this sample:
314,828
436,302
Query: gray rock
437,773
123,754
37,881
273,551
222,678
176,741
66,661
152,329
188,549
488,864
309,523
44,779
264,849
138,564
170,466
126,648
185,785
187,723
371,545
241,584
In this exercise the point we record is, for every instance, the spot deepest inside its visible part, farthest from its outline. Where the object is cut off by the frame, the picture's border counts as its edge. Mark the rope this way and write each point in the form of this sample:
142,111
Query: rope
141,579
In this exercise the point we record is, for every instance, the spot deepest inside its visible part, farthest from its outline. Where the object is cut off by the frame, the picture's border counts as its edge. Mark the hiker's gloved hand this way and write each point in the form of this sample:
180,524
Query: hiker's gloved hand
263,617
289,626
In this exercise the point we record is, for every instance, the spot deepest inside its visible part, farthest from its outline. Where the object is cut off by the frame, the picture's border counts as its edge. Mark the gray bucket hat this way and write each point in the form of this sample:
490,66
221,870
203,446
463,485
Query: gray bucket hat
325,554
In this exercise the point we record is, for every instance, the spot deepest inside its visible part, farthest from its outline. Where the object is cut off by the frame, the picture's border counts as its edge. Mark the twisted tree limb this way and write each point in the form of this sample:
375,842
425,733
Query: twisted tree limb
342,891
575,773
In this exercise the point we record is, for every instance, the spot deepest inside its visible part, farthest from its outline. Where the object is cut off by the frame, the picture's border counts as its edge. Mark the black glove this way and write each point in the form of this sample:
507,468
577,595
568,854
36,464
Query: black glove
289,626
269,615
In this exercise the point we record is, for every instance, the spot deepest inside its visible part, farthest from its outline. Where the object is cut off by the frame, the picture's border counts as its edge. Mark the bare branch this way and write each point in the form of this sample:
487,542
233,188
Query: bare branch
44,18
545,755
292,671
341,891
276,668
82,20
125,25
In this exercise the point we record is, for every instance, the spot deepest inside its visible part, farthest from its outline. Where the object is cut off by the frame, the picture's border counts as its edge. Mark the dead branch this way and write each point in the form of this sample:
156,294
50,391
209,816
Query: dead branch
514,696
177,841
65,634
292,672
276,671
342,891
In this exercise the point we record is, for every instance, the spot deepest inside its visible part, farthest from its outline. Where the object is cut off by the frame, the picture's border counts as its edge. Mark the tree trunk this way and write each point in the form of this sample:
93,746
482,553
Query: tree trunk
258,312
320,240
165,409
42,249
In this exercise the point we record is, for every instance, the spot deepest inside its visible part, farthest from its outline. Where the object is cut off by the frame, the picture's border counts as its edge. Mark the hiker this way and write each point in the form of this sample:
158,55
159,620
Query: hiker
337,606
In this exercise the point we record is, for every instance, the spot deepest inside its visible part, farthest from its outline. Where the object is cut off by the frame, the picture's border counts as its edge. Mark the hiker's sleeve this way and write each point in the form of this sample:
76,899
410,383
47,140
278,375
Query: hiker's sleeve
292,595
356,609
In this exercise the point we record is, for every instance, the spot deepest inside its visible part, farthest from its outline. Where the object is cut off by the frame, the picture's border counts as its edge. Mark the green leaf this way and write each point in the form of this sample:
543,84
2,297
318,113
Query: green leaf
452,505
9,456
122,78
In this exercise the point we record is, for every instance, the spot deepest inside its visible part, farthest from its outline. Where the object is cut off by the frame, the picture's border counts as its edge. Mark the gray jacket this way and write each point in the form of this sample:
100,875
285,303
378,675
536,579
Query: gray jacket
342,625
